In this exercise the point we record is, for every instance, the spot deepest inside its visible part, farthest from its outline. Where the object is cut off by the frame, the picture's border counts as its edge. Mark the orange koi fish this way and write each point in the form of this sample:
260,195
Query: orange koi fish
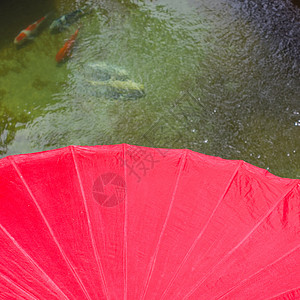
28,32
65,51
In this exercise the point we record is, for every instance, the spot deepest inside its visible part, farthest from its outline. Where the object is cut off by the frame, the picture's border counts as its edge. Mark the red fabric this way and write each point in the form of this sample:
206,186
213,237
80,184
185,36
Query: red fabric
128,222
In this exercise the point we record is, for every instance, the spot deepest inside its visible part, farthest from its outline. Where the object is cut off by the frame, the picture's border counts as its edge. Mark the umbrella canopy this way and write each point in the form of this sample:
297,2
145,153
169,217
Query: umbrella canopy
128,222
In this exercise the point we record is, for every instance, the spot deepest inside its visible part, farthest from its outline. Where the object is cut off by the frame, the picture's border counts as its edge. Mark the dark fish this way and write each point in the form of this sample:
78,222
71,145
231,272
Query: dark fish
66,20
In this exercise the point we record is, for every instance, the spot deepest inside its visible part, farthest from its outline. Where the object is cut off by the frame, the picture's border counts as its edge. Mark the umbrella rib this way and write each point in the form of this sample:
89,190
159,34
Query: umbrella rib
153,260
89,223
203,230
259,271
71,267
200,282
33,262
294,290
125,225
19,288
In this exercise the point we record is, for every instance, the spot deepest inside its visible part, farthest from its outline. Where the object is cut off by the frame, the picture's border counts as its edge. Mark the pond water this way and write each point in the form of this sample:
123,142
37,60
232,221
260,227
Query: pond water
220,77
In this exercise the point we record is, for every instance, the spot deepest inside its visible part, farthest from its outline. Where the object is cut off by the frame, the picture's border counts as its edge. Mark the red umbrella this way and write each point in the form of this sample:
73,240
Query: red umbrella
128,222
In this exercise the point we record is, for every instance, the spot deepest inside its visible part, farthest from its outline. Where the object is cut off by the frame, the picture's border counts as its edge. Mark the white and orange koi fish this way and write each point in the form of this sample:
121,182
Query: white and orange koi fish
28,33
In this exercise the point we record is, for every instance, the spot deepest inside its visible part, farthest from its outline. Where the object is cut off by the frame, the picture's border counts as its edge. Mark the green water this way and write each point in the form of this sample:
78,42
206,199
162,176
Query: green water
214,83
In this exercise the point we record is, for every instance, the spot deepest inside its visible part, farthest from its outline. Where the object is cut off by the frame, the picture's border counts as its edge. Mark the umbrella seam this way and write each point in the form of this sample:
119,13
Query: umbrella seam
296,289
203,229
200,282
21,289
125,224
153,260
259,271
31,260
71,267
72,148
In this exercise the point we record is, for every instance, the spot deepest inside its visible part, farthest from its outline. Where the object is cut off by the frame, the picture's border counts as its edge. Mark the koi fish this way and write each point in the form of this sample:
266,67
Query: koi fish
28,32
117,89
66,20
65,51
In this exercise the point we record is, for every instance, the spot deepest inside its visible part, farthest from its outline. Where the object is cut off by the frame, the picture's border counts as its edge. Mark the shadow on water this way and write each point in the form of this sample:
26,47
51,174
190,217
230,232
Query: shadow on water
16,15
296,2
249,88
276,20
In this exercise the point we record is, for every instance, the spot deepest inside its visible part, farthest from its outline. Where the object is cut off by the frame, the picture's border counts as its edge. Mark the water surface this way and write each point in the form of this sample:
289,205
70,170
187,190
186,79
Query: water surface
219,79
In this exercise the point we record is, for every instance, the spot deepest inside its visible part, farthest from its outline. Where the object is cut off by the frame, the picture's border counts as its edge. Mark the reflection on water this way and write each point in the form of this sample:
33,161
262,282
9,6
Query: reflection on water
219,78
